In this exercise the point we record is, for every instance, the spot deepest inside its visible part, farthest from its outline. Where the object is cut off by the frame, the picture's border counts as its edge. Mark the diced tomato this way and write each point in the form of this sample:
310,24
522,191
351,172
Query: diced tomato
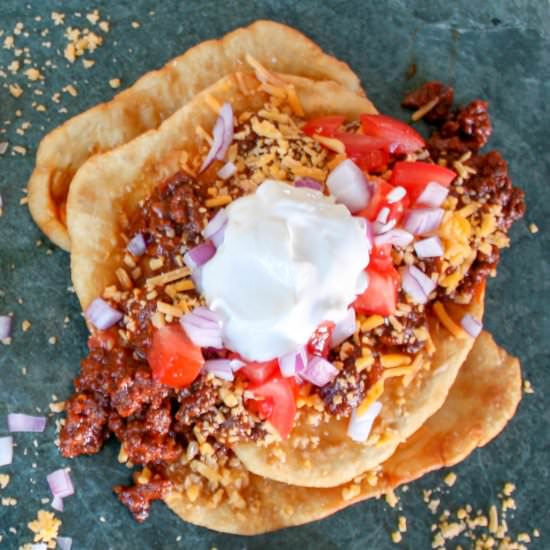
381,294
373,161
258,372
276,403
402,138
324,126
414,176
174,359
381,189
319,343
380,258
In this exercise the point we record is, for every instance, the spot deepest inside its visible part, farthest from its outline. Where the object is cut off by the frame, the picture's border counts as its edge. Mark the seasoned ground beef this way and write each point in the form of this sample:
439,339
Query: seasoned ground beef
349,388
466,130
492,185
170,220
137,498
428,92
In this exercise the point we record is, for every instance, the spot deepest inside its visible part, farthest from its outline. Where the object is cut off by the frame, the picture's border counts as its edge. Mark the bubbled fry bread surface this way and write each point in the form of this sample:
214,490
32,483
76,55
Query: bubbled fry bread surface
483,398
156,96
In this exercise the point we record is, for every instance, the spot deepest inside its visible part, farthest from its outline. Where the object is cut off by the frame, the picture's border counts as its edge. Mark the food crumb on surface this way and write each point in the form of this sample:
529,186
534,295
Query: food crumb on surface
71,90
527,387
114,83
450,479
136,25
396,537
52,340
533,228
26,326
4,480
391,498
45,528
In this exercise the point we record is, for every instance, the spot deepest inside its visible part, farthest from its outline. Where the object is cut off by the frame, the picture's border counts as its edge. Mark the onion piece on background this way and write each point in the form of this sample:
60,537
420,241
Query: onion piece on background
227,170
222,136
25,423
5,326
6,450
395,237
60,483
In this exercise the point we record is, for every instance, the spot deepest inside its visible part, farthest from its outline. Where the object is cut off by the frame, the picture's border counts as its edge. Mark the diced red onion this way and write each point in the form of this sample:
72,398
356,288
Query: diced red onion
348,185
382,217
3,147
431,247
222,368
344,329
216,228
222,136
309,183
294,363
5,326
359,427
64,543
433,195
368,230
137,245
199,255
416,284
422,221
6,450
39,546
380,229
471,325
227,170
396,194
396,237
1,201
102,315
204,328
25,423
57,504
319,371
412,287
60,483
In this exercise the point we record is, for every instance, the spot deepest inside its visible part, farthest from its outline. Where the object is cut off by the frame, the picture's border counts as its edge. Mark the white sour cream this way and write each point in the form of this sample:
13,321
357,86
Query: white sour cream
291,258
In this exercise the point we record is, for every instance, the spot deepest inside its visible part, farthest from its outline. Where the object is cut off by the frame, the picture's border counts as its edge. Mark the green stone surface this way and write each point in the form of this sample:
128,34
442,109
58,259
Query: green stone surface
493,49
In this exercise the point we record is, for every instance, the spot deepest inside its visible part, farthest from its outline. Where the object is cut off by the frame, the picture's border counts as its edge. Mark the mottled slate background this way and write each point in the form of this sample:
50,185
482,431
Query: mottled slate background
492,49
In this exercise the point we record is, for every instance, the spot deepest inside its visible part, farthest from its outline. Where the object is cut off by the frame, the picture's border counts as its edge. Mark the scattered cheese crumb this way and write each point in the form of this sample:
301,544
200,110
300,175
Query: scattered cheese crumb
396,537
26,325
4,480
15,90
71,90
533,228
52,340
527,387
135,25
114,83
58,18
45,528
391,498
450,479
402,525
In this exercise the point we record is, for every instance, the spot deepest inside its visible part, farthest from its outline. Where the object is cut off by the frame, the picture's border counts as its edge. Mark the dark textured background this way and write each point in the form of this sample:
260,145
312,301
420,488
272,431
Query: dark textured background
492,49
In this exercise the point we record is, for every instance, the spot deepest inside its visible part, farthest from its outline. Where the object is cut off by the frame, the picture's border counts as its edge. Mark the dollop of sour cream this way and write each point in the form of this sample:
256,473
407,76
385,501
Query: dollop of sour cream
291,258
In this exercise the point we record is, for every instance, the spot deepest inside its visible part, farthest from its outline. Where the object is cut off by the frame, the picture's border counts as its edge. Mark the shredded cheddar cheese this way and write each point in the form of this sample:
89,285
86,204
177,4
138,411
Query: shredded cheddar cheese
372,322
456,330
222,200
395,360
375,391
331,143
